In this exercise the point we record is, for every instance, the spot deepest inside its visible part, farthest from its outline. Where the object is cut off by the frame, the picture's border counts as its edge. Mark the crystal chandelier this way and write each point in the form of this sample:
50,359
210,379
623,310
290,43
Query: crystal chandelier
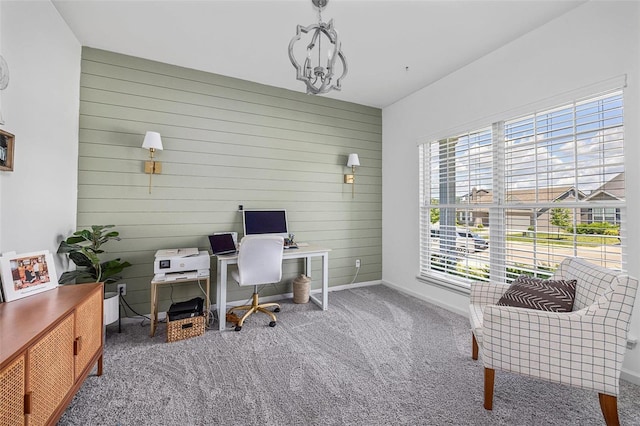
324,43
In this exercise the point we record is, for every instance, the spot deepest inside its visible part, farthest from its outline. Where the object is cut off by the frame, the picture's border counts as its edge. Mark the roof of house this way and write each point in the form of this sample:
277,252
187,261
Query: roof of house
551,193
613,189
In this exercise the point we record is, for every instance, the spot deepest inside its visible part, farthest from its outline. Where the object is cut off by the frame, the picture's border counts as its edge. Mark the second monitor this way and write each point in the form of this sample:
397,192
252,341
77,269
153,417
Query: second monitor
272,222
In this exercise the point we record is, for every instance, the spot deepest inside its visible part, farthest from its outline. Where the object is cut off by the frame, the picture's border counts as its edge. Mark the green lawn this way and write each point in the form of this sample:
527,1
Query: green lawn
564,239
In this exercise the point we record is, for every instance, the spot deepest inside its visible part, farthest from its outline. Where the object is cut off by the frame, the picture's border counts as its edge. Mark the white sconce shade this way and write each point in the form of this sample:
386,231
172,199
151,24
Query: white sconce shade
152,141
353,160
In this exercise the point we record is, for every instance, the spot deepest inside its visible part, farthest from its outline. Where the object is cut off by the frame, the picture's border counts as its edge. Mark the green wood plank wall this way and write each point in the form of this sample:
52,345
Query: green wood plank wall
227,142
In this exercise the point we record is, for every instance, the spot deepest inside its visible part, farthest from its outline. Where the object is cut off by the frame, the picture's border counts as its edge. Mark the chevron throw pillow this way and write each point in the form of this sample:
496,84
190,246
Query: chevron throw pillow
536,293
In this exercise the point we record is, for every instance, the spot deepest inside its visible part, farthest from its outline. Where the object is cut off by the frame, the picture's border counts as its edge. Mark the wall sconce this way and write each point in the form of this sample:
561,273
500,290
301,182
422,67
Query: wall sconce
352,162
152,141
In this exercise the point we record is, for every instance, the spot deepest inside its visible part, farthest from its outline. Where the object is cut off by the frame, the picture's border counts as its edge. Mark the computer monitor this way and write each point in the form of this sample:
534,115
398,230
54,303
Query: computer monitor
272,222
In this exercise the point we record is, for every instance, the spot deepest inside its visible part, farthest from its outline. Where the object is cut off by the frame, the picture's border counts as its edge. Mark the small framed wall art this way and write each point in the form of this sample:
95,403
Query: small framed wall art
7,141
27,274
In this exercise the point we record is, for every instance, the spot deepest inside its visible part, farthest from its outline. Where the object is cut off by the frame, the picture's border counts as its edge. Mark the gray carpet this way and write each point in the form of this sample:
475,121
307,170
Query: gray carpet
376,357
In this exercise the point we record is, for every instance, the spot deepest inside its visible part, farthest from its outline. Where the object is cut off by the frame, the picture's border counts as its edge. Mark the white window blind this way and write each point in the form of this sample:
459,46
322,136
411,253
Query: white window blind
454,214
523,194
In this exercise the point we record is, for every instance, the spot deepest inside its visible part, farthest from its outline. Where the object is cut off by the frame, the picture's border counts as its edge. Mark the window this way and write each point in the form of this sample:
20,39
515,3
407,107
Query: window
519,196
599,215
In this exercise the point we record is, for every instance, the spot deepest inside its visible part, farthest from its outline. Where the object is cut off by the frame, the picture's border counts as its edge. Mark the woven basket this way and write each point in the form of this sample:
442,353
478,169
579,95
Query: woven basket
184,328
301,288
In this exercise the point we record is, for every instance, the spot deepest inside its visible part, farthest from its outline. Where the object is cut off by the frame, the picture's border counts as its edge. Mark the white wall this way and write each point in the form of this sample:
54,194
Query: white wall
40,107
593,43
1,126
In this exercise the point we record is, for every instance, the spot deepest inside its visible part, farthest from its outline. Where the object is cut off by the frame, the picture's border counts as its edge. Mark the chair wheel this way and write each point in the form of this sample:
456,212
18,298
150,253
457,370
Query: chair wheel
276,310
272,324
238,328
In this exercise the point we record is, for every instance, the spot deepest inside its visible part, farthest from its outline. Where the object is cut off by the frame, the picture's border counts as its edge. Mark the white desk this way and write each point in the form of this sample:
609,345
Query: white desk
307,253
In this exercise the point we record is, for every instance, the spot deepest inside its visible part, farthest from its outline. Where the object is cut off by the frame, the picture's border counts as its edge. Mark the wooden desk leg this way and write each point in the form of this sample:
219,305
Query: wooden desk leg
208,304
154,309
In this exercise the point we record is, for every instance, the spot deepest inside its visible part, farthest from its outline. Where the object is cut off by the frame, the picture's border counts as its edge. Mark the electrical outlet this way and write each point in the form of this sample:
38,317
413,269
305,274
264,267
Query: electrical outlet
122,289
357,263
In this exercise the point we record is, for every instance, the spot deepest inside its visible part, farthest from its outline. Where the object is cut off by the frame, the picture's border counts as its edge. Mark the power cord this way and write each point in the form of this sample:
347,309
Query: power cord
211,315
355,276
132,310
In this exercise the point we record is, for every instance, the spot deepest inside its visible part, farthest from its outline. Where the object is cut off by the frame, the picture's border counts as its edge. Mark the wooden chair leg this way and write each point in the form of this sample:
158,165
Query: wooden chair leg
489,375
474,347
609,406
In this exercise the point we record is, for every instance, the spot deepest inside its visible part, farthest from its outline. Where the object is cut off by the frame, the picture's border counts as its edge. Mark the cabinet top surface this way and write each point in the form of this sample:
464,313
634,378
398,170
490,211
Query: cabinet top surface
23,321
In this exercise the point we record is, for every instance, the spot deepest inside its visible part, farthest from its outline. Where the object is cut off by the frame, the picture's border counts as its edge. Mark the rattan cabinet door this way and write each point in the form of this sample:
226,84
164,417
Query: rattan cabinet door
50,374
88,330
12,393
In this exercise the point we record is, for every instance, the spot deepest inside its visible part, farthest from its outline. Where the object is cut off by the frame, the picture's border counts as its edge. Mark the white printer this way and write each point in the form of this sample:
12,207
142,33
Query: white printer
180,264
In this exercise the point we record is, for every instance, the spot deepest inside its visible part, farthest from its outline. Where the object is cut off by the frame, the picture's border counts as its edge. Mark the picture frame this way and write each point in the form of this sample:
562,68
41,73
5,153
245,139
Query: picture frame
27,274
7,147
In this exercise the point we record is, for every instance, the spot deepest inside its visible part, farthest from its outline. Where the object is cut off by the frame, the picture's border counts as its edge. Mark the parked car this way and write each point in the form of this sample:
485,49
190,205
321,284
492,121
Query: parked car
471,240
466,241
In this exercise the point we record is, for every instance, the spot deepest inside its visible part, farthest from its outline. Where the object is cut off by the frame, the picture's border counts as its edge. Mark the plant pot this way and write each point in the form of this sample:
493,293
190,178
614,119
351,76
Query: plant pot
111,307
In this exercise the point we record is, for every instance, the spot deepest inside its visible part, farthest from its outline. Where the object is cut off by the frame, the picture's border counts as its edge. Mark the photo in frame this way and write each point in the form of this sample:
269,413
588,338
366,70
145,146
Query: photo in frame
27,274
7,142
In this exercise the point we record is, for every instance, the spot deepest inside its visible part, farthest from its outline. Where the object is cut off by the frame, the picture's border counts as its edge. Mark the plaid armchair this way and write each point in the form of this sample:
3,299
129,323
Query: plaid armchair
583,348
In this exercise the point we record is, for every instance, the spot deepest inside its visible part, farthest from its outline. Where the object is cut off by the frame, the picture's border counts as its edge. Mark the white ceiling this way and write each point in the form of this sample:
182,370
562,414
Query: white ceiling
249,39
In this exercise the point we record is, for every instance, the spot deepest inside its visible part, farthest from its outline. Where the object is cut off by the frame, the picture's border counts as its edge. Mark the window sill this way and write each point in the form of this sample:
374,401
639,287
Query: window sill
443,282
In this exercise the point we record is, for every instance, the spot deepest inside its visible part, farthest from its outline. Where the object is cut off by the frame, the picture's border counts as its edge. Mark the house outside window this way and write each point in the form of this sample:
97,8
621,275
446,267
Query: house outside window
526,193
607,215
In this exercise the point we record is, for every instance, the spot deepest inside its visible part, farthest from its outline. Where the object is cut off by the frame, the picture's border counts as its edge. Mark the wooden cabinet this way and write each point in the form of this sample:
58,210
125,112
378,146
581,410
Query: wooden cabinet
88,335
49,343
12,382
50,371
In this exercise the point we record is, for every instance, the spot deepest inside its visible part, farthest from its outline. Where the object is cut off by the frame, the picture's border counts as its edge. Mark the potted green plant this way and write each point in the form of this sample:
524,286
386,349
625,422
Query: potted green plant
84,249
